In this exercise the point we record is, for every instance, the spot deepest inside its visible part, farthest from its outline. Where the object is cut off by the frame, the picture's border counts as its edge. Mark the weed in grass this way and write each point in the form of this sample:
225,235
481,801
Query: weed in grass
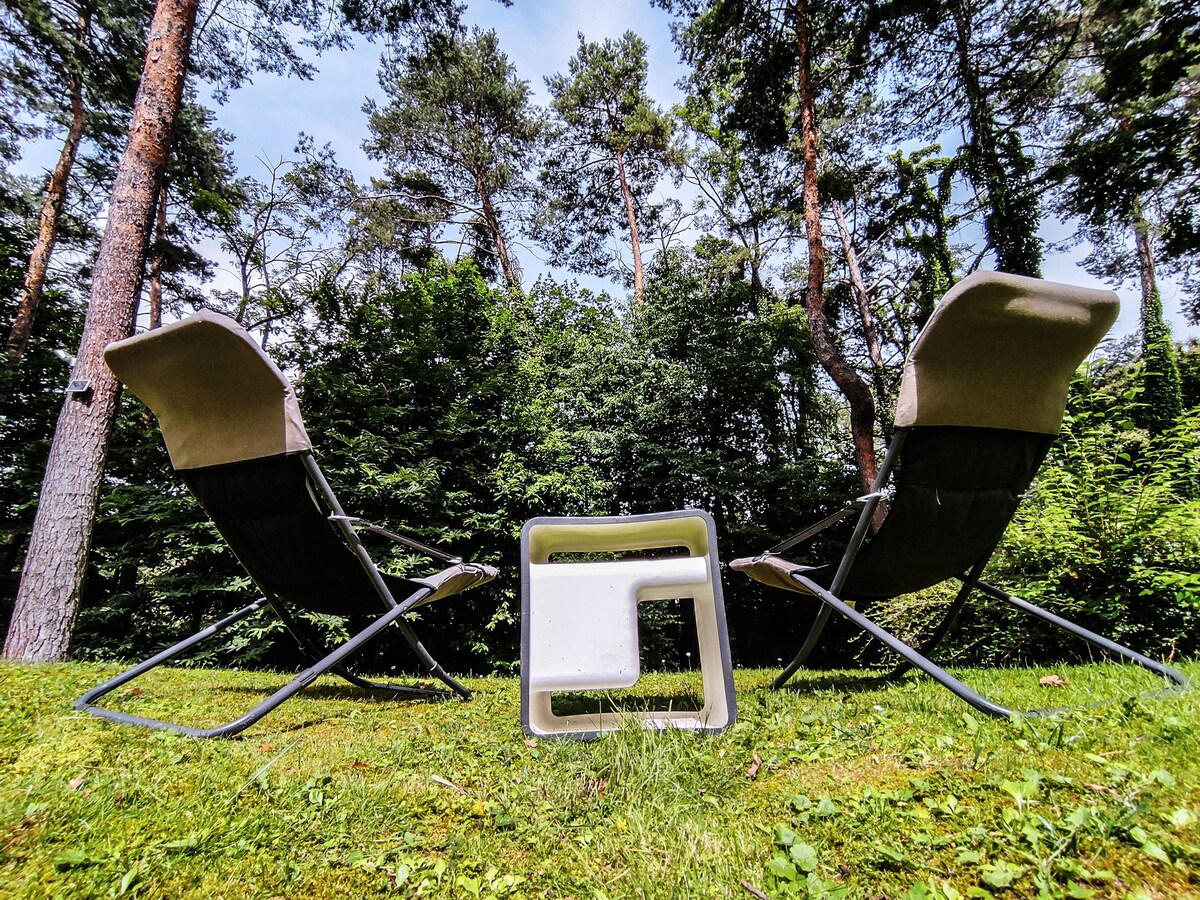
858,792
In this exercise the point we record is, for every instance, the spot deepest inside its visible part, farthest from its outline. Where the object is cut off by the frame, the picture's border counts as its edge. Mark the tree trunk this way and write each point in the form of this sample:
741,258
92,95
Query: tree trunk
855,390
52,206
1010,224
48,596
492,220
1163,401
863,297
634,240
1147,273
158,258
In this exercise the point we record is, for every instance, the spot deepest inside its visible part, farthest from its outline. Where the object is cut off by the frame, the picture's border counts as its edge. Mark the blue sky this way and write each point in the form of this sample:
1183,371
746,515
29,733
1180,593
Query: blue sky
539,36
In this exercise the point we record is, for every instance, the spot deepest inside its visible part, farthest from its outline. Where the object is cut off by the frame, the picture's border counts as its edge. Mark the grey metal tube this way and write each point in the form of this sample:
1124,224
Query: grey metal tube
843,570
372,571
962,691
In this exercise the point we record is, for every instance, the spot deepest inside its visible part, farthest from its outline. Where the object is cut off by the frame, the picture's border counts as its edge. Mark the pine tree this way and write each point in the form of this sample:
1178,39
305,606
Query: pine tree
458,116
608,148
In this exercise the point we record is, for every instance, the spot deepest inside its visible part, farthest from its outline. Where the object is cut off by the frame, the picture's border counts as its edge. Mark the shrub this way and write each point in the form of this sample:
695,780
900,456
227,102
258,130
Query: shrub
1109,533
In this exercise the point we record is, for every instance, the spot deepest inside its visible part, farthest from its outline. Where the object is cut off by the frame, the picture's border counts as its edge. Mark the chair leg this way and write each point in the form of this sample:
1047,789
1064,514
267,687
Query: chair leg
402,689
86,702
432,665
329,662
975,700
865,516
806,649
312,648
949,620
1092,638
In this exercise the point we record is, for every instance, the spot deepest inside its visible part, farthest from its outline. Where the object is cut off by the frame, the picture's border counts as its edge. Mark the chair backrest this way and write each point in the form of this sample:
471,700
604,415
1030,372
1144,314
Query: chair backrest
233,429
1000,351
981,399
218,397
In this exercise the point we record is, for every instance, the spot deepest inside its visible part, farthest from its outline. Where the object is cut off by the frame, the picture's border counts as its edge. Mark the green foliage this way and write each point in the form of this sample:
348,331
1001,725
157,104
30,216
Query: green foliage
990,68
456,412
1125,145
1163,391
458,117
711,402
923,181
828,789
1110,531
1188,359
1014,198
1122,163
30,398
607,149
435,402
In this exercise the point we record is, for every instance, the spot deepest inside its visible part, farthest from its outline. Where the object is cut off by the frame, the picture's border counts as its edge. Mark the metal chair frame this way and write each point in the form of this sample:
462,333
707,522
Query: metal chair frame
333,661
918,658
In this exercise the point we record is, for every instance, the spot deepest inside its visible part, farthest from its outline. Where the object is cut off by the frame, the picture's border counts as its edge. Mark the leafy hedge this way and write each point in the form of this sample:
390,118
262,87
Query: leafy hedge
456,412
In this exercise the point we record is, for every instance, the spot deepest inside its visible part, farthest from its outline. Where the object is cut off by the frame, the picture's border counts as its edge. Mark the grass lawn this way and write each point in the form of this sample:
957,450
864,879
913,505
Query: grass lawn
833,788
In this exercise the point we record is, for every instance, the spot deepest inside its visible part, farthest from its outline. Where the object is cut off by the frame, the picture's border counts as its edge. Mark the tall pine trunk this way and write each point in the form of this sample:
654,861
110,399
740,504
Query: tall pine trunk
158,258
639,283
998,165
849,382
48,220
863,297
492,220
48,597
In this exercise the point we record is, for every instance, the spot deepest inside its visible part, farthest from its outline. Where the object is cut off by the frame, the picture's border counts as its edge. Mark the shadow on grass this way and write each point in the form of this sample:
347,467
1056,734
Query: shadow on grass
340,692
815,681
588,703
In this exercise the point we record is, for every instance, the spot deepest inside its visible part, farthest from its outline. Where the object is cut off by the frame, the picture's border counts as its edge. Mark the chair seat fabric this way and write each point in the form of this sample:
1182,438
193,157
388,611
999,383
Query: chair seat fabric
957,488
267,514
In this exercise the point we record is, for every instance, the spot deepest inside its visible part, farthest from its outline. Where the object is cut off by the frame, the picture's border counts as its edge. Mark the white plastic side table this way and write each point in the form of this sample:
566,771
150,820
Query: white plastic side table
579,618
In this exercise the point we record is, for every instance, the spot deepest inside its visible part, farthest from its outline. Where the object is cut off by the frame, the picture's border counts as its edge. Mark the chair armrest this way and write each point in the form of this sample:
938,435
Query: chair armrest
455,579
772,570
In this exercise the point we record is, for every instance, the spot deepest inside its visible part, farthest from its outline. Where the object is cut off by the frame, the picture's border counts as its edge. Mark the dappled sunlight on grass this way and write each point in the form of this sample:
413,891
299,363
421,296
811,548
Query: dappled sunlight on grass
834,787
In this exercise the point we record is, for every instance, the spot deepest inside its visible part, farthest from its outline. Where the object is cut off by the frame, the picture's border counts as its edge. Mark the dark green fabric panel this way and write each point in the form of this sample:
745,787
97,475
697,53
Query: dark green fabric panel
956,491
265,512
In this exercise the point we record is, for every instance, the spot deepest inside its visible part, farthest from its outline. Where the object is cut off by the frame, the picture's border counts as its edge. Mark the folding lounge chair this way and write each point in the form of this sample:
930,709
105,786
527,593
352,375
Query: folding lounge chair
235,436
981,398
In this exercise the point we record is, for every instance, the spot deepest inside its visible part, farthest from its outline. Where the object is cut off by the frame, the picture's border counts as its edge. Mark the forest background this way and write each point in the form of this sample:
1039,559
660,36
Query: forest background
755,263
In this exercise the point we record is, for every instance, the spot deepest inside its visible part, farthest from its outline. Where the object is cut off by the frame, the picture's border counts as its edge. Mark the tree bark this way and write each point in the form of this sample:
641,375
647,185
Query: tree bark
158,259
52,206
1147,274
863,297
1163,399
1016,251
492,220
634,240
48,597
849,382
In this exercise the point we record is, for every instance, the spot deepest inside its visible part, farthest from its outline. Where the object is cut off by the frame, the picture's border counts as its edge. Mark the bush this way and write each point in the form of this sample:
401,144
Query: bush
1110,532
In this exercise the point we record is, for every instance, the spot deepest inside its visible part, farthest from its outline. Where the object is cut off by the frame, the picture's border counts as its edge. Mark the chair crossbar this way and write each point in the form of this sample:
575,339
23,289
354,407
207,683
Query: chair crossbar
977,701
331,662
